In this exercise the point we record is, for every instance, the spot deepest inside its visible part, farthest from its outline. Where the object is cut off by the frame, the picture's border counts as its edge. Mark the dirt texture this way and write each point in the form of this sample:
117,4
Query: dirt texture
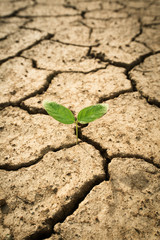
49,188
119,209
79,53
26,138
19,80
88,88
62,57
146,76
130,128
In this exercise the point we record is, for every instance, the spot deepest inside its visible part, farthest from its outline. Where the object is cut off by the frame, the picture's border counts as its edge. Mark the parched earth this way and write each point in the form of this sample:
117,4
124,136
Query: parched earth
79,53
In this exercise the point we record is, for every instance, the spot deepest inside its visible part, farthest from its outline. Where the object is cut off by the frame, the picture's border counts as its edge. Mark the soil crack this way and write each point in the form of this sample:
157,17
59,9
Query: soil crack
34,110
29,28
11,167
140,30
151,101
66,210
77,45
47,37
114,95
14,13
128,67
97,146
137,156
70,6
41,90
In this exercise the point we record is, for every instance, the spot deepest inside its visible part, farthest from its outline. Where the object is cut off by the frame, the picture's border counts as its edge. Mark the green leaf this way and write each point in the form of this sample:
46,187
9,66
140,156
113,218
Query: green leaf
59,112
92,113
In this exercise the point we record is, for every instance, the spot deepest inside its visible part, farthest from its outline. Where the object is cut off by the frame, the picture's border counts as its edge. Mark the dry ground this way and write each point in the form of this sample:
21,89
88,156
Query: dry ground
79,53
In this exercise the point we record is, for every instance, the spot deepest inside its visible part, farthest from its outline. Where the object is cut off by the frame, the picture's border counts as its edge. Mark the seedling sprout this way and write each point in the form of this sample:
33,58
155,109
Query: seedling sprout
64,115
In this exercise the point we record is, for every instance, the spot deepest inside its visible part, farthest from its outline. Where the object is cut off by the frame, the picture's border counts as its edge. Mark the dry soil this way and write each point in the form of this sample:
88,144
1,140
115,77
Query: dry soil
79,53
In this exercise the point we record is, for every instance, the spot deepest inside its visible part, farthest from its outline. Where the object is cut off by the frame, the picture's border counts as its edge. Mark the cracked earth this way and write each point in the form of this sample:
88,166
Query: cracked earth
79,53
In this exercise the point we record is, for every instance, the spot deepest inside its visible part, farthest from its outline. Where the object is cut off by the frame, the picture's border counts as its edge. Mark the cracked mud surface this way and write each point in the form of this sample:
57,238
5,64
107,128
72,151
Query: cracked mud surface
118,209
80,53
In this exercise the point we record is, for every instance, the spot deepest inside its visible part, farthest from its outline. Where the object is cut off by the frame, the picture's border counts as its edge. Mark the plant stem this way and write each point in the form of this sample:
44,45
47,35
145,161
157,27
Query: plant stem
77,132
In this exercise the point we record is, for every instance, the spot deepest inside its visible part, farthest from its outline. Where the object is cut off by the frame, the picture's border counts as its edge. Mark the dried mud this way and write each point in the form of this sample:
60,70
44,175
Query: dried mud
80,53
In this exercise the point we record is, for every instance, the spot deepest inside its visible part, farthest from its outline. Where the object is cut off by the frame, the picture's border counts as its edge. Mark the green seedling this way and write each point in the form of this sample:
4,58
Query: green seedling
64,115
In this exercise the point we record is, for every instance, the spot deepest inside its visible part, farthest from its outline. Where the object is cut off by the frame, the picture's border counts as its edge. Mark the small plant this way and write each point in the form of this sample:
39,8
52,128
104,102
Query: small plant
64,115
